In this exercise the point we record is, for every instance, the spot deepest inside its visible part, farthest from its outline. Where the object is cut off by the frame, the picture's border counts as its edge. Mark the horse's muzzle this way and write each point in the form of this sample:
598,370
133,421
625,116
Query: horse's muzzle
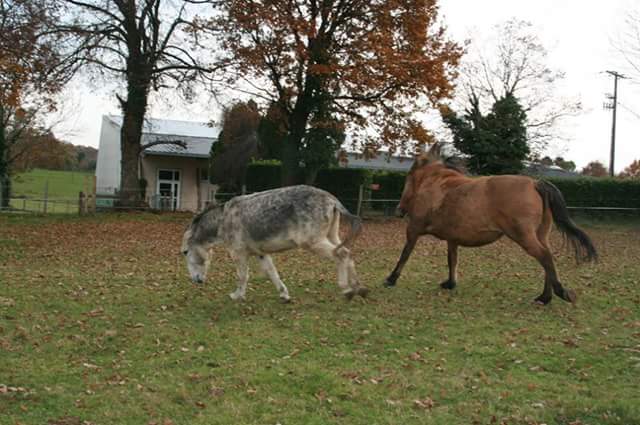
400,212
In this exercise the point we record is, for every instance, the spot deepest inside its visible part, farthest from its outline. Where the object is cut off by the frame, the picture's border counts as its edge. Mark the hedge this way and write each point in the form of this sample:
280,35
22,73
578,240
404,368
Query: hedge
390,184
344,183
263,176
578,192
599,192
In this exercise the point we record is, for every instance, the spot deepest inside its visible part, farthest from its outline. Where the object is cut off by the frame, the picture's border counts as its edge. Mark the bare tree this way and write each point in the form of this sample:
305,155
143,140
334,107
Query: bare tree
515,63
148,44
628,41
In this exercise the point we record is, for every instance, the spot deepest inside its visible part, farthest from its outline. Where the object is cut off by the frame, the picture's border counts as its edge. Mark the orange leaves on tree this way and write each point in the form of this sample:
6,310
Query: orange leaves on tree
632,170
377,63
595,169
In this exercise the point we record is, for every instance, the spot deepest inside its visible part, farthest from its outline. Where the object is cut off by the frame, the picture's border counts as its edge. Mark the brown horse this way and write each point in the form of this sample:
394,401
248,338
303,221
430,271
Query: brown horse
464,211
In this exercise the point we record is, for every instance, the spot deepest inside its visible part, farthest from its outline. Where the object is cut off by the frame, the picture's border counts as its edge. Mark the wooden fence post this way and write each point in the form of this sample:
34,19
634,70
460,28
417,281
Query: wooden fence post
94,207
80,203
46,195
360,196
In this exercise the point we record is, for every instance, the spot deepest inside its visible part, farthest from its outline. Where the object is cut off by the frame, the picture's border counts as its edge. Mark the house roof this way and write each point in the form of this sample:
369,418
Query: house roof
198,136
382,161
541,170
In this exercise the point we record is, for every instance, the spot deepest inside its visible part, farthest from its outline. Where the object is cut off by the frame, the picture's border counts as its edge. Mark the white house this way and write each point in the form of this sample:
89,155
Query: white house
177,178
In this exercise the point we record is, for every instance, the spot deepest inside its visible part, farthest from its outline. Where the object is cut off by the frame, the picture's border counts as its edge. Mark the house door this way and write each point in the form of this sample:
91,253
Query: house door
168,190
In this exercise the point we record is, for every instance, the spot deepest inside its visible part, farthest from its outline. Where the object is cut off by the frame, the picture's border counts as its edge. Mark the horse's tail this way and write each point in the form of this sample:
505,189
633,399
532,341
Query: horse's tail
580,241
354,221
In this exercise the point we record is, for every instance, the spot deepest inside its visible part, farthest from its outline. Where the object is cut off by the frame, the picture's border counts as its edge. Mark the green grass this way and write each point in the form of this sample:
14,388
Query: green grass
62,187
99,324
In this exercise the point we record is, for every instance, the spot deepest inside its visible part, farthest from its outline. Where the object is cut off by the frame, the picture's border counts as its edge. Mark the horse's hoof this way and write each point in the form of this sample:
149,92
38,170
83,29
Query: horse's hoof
388,284
236,297
285,300
349,295
363,291
569,295
448,284
542,300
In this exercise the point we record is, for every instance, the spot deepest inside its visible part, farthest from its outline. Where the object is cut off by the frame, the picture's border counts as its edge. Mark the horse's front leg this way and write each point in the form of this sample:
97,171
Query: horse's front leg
242,269
452,261
412,238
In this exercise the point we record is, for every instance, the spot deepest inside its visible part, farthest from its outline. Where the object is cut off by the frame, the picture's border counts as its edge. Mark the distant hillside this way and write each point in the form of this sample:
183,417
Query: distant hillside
86,157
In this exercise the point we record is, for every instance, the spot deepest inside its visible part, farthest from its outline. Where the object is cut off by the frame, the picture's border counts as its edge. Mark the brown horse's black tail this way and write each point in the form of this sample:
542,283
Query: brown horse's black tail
579,240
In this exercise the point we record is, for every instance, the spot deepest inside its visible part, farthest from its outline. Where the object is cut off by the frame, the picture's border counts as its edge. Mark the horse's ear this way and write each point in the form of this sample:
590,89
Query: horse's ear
421,159
434,153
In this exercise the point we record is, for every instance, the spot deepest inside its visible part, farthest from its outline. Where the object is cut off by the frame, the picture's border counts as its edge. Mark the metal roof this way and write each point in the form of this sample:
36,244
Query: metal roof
198,136
382,161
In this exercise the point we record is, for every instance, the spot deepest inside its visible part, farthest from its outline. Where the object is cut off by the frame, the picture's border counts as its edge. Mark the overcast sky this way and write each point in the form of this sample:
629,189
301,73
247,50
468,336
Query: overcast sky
577,33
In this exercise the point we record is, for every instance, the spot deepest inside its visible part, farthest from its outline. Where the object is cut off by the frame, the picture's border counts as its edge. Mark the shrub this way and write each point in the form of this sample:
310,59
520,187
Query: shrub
578,192
344,183
599,192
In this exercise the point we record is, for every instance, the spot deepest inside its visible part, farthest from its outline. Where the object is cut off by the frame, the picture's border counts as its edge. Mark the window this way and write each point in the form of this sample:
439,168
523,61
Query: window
165,175
204,174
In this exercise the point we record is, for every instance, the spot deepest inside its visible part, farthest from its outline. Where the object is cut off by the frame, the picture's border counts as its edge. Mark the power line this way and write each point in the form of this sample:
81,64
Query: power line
613,106
631,111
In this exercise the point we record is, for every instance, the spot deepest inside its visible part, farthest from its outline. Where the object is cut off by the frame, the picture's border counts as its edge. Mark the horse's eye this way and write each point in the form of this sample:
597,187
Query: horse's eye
185,252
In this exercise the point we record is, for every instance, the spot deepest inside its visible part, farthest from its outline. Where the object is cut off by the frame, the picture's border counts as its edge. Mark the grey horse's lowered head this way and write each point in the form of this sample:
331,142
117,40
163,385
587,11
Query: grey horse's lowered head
198,238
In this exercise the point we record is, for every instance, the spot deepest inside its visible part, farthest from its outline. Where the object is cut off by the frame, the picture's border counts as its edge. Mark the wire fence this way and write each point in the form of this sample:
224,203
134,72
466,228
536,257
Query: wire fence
95,200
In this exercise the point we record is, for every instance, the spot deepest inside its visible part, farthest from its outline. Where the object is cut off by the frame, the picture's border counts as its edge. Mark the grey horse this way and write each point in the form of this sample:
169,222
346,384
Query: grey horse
272,221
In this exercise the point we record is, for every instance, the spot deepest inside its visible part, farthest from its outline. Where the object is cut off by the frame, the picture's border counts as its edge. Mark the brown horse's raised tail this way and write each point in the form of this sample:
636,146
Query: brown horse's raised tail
580,241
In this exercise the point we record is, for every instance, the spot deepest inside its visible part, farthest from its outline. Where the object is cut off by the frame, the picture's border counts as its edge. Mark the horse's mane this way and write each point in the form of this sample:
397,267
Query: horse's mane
455,164
198,217
435,155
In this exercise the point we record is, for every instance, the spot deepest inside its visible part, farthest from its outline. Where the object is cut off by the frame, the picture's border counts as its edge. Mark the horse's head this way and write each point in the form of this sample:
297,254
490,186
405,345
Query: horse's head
424,162
198,239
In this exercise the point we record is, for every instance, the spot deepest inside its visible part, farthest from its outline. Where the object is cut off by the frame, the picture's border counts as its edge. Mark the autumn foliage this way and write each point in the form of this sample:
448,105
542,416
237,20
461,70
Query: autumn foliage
375,63
632,170
595,169
31,73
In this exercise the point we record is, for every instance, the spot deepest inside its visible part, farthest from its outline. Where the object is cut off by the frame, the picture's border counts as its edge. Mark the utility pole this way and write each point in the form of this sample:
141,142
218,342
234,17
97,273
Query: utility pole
613,106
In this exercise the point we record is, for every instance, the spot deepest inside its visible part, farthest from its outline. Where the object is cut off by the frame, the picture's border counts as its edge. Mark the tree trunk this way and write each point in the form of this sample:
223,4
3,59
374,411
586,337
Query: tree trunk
5,187
290,161
133,110
5,181
297,128
310,175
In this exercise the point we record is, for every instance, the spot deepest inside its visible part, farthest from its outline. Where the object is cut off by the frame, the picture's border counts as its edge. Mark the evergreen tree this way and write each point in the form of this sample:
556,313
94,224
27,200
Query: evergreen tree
495,143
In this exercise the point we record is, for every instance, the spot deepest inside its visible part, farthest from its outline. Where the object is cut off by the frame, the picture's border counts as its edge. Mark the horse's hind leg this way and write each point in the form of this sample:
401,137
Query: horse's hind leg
540,252
270,269
352,276
452,261
347,283
543,237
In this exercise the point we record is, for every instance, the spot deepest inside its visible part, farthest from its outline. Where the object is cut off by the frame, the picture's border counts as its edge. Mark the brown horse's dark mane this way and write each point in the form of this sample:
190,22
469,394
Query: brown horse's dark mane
450,163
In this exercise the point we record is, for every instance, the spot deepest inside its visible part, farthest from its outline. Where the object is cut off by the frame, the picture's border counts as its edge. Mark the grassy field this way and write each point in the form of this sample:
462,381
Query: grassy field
100,325
63,189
